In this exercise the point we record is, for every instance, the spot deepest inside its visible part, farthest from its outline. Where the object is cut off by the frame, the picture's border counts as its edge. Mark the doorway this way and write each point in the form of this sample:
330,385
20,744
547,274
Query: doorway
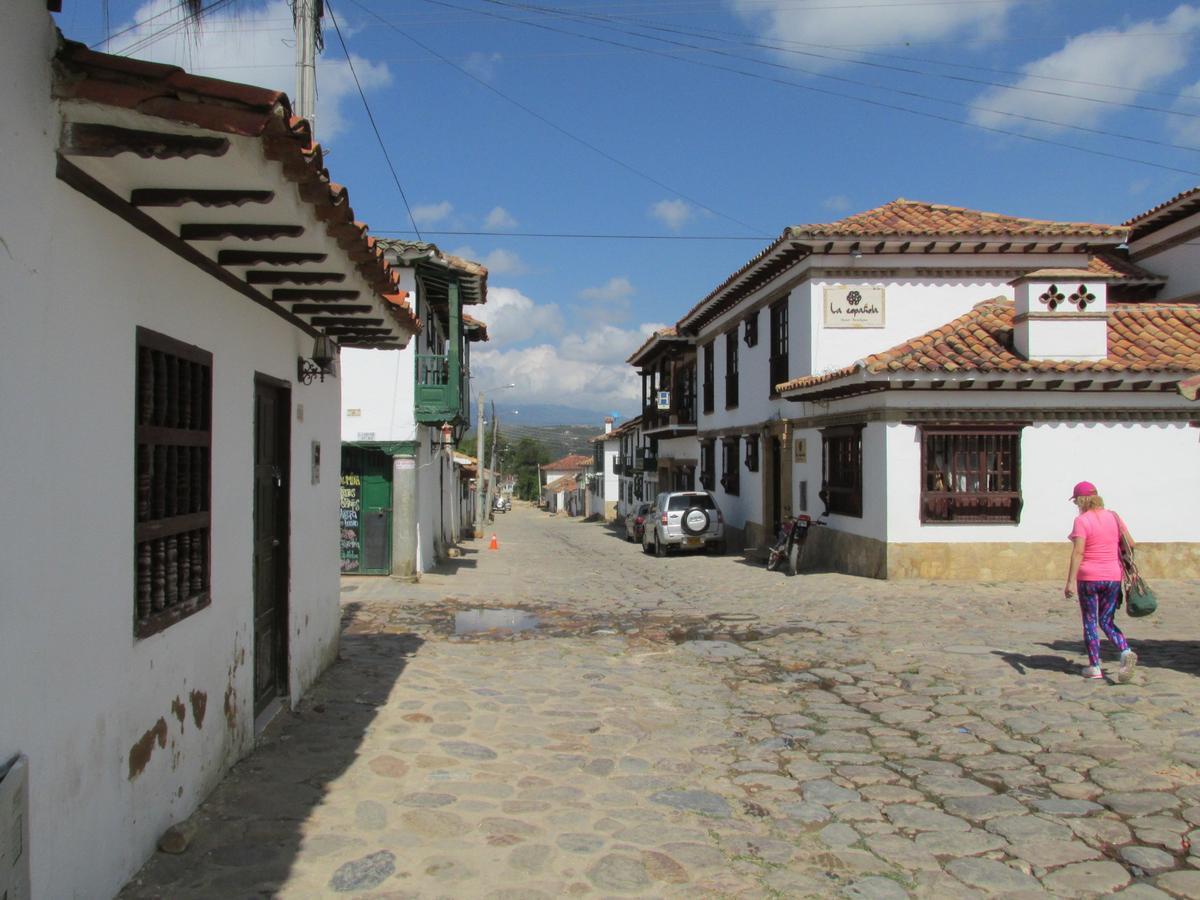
272,476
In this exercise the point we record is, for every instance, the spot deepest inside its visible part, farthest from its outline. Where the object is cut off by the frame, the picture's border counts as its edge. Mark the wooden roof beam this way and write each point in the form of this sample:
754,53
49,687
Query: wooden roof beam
266,257
1005,247
308,309
1083,384
238,231
179,196
292,294
954,247
266,277
344,321
89,139
929,248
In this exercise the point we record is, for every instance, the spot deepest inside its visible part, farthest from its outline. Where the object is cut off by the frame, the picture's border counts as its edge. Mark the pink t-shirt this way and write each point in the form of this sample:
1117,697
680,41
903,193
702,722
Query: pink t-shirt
1100,530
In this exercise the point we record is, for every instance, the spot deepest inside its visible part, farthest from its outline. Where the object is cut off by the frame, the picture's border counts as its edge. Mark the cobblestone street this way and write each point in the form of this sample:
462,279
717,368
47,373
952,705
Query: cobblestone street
697,726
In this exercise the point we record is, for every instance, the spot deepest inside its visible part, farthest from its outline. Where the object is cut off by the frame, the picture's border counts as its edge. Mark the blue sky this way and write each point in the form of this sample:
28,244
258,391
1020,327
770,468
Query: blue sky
675,120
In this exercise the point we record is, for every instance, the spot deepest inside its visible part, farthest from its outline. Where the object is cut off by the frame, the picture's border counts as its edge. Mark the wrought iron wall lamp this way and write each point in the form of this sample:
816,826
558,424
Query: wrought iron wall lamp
321,364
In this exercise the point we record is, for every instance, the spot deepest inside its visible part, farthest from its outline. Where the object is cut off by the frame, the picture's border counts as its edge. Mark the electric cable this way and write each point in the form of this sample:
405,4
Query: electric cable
371,118
842,95
546,121
175,27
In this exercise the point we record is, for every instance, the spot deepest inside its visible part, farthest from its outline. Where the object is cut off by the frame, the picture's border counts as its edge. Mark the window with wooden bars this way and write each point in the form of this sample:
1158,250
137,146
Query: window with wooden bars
779,344
708,377
730,466
750,329
842,470
731,369
971,475
173,434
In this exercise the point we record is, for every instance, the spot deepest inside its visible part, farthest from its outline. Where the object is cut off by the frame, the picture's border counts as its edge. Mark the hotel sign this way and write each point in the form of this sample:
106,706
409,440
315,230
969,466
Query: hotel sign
854,306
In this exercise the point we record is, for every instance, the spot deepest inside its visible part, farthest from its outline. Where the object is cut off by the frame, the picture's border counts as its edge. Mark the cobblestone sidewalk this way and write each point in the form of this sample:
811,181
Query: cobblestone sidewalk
699,727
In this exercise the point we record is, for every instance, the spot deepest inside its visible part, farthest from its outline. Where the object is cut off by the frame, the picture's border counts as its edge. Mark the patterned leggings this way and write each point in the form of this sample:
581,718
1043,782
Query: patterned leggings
1098,604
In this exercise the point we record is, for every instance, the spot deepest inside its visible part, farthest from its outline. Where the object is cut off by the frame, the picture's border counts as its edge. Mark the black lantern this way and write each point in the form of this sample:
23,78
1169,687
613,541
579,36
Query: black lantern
323,355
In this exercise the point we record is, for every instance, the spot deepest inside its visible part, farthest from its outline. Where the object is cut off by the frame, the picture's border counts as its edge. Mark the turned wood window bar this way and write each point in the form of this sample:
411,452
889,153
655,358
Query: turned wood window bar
174,482
971,475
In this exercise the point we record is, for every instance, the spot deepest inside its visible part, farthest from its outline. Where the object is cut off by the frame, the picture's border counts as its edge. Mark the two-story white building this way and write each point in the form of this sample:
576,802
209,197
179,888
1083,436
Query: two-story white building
169,400
833,380
403,410
603,483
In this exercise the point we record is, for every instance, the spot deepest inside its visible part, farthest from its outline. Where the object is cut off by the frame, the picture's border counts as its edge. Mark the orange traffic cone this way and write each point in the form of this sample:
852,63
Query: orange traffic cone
495,544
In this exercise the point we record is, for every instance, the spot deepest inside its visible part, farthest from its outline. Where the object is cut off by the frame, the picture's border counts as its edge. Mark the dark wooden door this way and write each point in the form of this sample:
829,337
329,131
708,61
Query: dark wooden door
272,422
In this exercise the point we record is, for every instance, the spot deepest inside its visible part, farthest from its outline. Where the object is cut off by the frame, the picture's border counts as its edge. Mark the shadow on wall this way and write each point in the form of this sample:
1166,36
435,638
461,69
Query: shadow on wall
249,832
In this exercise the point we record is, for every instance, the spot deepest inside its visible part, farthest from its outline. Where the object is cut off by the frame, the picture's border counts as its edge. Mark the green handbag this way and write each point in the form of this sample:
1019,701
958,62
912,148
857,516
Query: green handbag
1139,597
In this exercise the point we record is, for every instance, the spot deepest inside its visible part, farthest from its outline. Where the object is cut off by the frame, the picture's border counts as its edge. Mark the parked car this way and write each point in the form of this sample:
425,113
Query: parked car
684,520
635,522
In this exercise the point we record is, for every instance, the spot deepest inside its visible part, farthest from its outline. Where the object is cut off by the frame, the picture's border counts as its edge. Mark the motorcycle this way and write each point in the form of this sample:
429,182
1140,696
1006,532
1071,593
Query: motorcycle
789,544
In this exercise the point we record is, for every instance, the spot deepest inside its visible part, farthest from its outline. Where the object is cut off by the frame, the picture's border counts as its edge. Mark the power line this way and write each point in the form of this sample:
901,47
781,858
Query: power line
579,235
176,26
839,94
371,117
544,120
858,83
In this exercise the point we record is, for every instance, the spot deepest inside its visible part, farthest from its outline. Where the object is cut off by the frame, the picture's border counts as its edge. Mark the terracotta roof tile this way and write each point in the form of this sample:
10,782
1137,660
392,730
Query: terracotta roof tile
1178,207
168,92
1148,337
568,462
1120,269
914,217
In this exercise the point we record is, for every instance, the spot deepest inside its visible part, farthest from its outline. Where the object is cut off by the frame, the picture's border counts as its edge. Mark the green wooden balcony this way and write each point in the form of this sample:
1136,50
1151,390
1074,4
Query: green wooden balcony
439,391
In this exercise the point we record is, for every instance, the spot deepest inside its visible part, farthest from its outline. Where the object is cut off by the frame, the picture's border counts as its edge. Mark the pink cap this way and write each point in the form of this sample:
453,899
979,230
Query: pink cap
1084,489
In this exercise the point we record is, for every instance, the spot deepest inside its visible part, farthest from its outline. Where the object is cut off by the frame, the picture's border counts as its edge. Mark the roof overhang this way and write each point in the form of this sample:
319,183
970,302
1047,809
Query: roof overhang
1178,207
223,176
862,381
438,270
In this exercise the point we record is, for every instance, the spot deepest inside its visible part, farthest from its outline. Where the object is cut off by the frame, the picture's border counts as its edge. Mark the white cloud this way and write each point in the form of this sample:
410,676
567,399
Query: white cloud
499,218
432,213
512,317
1187,130
616,288
483,65
838,203
1159,50
498,262
248,45
528,347
673,213
887,21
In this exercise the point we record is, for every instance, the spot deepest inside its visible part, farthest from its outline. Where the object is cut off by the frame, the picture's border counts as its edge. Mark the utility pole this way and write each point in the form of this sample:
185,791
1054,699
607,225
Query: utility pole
492,481
479,469
306,15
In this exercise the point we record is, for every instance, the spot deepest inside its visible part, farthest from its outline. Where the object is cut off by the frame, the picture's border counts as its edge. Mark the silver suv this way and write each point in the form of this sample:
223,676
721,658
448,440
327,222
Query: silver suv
684,519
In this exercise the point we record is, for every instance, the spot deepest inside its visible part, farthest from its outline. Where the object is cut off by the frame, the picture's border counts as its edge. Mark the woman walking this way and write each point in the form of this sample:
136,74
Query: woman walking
1095,572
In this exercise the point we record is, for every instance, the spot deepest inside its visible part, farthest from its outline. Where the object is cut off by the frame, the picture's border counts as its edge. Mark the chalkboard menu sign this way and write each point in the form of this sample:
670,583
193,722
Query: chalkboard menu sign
351,507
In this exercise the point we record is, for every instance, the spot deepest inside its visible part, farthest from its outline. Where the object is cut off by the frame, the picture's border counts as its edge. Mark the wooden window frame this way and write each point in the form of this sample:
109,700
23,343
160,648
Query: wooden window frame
172,482
731,465
778,362
842,470
707,464
731,369
708,377
956,460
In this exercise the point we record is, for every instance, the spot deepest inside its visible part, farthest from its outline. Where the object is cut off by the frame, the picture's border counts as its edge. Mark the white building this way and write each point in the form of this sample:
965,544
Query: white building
402,412
162,442
816,397
603,482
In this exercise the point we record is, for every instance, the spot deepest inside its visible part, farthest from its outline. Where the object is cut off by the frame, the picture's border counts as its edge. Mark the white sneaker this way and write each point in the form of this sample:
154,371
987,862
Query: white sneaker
1091,672
1128,664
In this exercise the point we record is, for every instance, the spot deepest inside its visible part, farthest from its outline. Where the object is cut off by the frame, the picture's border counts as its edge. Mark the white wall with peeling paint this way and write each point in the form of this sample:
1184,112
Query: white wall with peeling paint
79,689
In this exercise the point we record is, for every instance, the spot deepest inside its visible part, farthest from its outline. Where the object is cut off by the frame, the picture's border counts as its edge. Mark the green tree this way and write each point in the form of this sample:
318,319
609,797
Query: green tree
527,454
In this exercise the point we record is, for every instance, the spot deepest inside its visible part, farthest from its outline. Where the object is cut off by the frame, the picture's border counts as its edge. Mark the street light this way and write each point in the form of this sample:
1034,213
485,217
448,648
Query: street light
479,498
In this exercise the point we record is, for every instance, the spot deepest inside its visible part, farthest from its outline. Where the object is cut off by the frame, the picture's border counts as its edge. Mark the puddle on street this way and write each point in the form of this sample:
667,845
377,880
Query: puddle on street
483,621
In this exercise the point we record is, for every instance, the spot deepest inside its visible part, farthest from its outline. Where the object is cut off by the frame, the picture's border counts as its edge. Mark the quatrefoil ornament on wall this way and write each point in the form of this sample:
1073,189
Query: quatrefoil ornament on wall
1082,297
1052,297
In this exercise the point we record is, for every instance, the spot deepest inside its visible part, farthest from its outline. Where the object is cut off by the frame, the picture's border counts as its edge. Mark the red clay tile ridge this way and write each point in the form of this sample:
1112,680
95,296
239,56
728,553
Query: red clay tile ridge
651,342
168,92
916,217
568,462
1143,337
1044,274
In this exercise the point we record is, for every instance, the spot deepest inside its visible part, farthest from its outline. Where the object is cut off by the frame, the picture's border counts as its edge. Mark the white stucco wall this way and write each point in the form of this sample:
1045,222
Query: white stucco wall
1180,263
80,691
1148,472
